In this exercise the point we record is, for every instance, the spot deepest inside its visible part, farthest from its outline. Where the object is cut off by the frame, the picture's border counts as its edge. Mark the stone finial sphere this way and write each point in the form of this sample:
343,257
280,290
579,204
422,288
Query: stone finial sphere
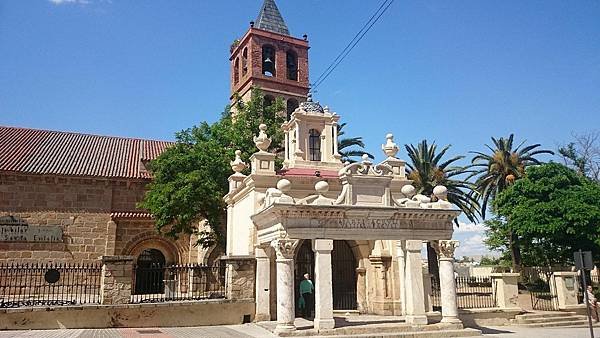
262,127
322,187
365,157
440,190
284,185
238,153
408,190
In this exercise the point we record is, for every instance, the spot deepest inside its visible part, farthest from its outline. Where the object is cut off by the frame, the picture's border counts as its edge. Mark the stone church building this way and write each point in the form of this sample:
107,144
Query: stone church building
72,197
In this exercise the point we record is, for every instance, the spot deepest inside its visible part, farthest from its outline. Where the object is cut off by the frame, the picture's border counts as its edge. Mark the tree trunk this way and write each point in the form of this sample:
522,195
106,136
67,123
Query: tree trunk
432,262
515,251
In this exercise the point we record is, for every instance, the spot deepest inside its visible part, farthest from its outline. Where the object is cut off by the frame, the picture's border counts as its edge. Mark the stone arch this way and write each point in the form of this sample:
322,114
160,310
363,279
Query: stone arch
209,256
150,240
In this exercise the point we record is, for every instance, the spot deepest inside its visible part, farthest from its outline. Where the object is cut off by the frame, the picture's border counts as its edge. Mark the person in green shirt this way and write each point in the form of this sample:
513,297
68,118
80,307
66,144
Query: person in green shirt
307,298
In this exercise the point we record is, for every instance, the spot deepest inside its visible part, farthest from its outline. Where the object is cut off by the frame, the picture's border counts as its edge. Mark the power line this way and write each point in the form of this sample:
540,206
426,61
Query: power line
350,46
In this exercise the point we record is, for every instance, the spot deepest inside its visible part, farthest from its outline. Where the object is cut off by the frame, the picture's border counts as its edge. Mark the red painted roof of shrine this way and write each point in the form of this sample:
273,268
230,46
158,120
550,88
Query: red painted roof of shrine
73,154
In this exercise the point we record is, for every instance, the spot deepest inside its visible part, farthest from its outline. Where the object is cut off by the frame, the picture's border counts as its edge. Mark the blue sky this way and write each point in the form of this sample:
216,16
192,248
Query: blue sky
456,72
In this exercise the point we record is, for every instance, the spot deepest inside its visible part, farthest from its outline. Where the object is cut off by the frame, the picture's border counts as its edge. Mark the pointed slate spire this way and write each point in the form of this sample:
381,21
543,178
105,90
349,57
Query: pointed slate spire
270,19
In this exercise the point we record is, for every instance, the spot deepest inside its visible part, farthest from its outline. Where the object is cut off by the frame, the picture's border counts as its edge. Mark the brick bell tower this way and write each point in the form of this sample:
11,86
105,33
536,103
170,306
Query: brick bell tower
269,58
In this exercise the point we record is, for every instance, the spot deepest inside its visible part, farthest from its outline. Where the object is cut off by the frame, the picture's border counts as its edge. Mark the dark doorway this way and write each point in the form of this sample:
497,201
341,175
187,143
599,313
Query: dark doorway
343,271
149,272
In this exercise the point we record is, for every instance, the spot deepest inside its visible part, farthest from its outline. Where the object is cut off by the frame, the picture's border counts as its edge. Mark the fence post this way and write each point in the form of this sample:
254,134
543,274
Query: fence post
567,289
506,290
239,277
116,279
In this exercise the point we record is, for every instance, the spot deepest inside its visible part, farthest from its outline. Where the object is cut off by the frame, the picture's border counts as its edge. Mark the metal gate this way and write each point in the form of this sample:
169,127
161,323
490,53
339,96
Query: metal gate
149,272
343,271
543,296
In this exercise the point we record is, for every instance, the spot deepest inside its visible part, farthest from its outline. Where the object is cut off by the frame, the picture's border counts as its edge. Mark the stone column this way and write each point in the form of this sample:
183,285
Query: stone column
413,280
116,279
285,248
400,245
263,281
566,289
323,286
361,289
505,287
445,250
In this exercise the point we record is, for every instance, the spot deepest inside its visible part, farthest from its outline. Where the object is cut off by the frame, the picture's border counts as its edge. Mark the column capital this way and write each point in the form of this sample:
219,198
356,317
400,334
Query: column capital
284,247
445,248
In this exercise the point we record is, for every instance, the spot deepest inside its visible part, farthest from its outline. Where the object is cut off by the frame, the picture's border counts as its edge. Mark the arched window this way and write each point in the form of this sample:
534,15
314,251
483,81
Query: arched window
314,145
245,61
292,104
268,60
236,71
268,100
292,65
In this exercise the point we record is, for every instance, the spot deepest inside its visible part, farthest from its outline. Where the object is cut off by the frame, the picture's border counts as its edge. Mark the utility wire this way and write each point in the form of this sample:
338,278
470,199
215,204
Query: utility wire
350,46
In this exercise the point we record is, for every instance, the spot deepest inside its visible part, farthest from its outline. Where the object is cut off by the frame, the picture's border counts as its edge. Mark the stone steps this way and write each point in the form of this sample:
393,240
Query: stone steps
550,319
389,330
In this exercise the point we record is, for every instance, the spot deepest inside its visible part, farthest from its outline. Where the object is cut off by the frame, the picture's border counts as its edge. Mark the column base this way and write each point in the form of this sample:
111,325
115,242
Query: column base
416,320
262,317
320,324
451,320
284,328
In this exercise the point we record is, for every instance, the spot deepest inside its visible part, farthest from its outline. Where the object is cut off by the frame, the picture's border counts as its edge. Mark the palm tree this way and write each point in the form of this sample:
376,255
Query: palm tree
499,169
427,169
345,146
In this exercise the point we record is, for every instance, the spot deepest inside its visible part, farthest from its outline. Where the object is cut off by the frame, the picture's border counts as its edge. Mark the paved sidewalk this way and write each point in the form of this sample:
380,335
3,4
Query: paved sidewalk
224,331
547,332
254,331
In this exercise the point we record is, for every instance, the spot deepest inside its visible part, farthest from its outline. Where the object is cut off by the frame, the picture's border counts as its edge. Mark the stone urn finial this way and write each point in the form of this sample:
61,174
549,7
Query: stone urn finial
390,148
262,141
237,165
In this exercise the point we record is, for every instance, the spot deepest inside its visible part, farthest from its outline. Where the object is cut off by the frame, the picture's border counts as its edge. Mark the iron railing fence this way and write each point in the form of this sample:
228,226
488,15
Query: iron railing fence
156,283
543,295
474,292
43,284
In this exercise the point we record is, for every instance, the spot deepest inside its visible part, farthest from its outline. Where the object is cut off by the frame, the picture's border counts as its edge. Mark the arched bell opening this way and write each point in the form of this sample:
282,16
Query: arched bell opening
268,60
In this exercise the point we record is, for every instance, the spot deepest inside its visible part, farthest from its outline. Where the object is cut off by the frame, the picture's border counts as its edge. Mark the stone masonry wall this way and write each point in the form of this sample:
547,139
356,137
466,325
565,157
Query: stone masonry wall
81,206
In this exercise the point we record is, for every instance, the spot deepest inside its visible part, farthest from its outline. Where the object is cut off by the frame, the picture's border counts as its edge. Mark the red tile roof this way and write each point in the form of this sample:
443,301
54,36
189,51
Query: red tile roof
64,153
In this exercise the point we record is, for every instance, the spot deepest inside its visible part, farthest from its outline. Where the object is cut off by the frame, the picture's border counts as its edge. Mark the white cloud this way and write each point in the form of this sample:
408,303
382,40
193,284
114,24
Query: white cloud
63,2
472,246
469,227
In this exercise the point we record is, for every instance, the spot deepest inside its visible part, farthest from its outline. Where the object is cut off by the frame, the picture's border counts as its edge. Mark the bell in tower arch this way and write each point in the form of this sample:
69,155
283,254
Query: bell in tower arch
268,60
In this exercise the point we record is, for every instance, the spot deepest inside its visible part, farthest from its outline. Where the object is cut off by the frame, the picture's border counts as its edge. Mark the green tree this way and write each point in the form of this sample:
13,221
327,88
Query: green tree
498,170
427,168
554,210
350,147
190,178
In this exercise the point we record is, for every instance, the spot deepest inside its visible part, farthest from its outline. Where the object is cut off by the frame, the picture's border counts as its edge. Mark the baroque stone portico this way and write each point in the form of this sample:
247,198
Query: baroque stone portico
373,206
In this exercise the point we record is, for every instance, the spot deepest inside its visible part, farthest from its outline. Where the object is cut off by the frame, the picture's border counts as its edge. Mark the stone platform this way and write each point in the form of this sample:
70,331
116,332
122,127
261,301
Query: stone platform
374,326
